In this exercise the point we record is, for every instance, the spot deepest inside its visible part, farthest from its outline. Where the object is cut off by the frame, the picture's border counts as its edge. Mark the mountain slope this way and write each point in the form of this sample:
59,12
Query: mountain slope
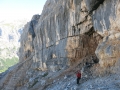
10,32
69,35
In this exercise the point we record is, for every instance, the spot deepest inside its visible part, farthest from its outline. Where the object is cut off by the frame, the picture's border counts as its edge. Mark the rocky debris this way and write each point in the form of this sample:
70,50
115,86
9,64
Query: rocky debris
69,35
109,82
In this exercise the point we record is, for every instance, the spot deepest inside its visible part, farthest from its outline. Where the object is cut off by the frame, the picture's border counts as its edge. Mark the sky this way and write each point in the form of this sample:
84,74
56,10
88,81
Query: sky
19,9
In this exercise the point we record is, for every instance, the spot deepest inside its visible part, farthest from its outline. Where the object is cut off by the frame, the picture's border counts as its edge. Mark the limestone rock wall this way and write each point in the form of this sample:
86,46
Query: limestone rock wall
106,23
59,35
66,31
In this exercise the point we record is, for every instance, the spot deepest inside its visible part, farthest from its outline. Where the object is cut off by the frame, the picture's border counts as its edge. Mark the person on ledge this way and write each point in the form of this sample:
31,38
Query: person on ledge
78,74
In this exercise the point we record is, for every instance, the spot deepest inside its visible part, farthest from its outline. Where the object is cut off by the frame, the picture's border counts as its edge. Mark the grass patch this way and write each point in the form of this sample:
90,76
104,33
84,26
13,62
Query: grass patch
6,63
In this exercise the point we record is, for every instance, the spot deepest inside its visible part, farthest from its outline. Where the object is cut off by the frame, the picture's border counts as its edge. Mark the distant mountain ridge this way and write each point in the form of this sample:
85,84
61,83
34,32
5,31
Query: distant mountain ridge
10,32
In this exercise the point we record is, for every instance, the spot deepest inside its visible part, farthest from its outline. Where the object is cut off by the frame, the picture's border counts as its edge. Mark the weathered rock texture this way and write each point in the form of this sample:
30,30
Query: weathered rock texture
66,32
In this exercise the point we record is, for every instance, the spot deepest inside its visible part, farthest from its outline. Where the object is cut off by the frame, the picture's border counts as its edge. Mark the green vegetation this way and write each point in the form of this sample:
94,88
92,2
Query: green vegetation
6,63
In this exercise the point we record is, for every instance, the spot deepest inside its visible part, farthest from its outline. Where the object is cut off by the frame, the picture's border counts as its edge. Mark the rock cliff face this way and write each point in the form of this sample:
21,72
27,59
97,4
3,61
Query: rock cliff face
67,32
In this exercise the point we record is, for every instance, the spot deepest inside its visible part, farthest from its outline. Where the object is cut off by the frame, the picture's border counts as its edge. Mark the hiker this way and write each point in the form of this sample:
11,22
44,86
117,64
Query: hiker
78,74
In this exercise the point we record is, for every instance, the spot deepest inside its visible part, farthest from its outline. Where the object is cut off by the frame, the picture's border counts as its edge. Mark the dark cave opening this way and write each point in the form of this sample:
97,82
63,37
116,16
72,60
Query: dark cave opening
95,4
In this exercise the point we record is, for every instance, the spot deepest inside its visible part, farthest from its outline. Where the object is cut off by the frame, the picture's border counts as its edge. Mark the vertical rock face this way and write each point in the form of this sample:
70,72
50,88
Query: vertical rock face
106,23
64,34
27,38
66,31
